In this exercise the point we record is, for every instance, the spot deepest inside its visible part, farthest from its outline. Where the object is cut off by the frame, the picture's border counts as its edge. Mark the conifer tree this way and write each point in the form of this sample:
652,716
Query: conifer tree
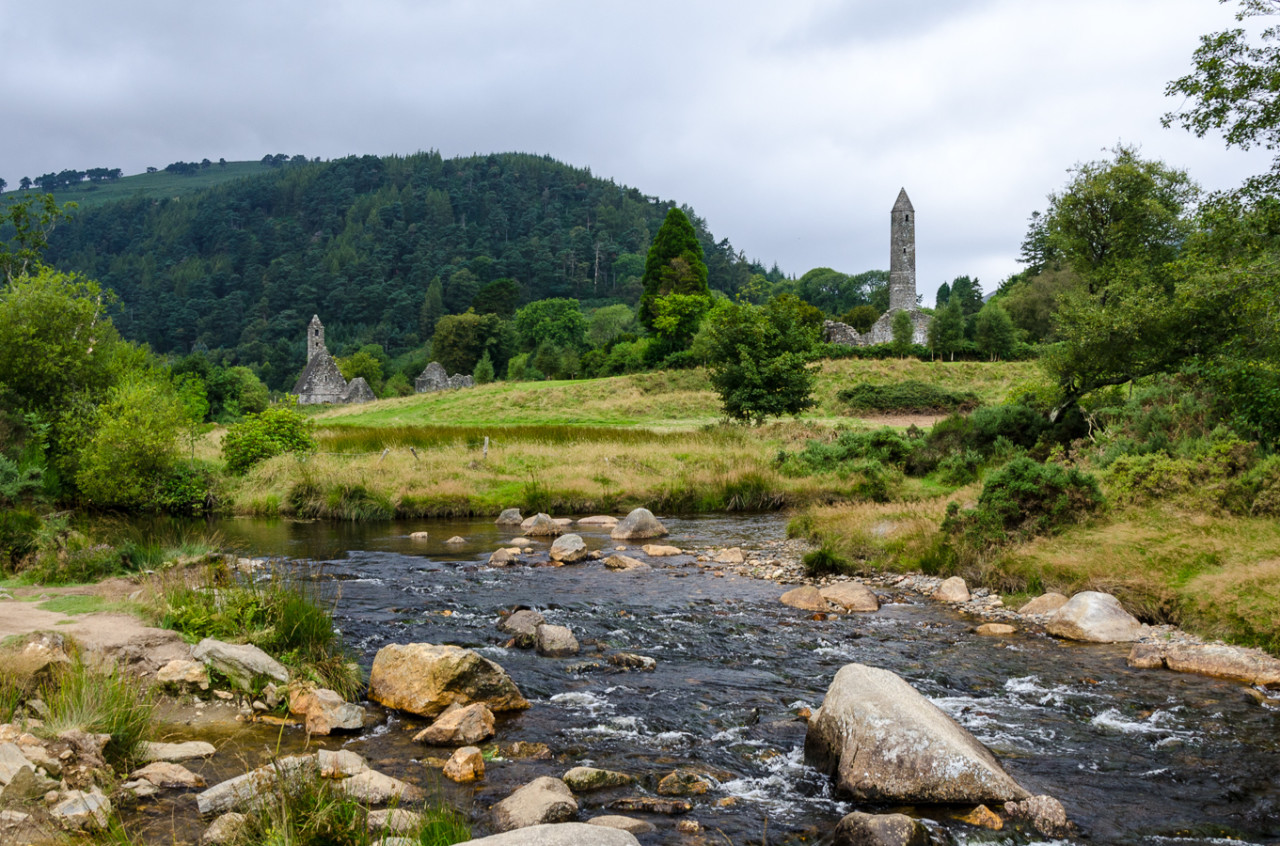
674,265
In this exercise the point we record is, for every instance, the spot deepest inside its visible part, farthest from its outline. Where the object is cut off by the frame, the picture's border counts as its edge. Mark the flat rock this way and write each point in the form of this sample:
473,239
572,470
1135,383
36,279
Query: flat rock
562,834
657,550
181,672
586,779
556,641
419,536
509,517
393,821
466,764
599,520
883,741
424,679
621,823
640,523
952,590
625,562
805,597
459,725
240,662
1046,603
651,805
375,788
1236,663
851,596
859,829
340,763
730,556
175,752
632,661
245,790
543,800
1094,617
82,810
167,775
568,549
995,629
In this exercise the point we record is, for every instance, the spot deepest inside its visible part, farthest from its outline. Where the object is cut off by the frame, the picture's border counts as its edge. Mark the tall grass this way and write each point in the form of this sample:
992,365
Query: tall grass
100,700
360,441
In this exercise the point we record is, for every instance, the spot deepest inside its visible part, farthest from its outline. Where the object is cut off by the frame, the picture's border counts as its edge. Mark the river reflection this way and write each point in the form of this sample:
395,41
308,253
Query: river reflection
1135,756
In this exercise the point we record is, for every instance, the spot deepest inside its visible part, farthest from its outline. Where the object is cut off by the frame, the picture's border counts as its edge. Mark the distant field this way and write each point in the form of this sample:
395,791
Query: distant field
156,185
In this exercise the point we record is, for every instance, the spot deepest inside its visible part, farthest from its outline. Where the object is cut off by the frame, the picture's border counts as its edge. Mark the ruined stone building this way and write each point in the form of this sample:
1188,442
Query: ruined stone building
436,378
902,286
321,381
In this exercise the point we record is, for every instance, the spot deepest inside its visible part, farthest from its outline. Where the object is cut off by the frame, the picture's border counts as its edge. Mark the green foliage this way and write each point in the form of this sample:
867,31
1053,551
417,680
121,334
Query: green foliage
19,529
483,374
903,333
558,322
966,293
836,293
608,324
229,391
758,357
861,317
100,700
500,297
674,265
946,330
461,340
675,320
1022,500
907,397
432,308
994,332
31,219
825,561
261,436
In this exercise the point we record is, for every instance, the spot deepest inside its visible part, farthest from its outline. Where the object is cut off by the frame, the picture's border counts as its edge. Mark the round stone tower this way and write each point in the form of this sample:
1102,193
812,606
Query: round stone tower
315,337
902,254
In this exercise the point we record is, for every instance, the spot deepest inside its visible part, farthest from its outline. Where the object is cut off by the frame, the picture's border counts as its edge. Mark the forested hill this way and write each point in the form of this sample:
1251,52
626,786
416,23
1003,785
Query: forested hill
239,268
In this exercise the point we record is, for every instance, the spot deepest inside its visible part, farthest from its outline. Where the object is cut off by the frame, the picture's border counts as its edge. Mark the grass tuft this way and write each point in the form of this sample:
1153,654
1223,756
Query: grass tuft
99,700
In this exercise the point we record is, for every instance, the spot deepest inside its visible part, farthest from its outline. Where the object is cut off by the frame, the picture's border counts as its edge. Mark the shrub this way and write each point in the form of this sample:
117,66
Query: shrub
100,701
1021,500
261,436
18,530
825,561
907,397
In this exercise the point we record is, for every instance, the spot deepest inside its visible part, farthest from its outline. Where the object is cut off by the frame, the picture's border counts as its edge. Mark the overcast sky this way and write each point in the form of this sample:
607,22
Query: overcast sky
789,126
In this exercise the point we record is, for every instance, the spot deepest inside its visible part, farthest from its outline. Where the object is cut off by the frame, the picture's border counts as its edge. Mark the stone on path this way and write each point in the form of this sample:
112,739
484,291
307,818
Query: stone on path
1044,604
805,597
851,596
1094,617
240,662
859,829
640,523
562,834
424,679
883,741
543,800
466,764
952,590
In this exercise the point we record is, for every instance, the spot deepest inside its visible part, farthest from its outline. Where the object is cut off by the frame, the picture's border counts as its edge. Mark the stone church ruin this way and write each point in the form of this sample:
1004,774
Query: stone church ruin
436,378
321,381
902,287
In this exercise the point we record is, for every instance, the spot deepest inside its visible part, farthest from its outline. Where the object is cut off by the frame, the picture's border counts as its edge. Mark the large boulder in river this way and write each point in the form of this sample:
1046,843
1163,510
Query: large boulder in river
240,662
884,742
568,549
523,624
509,517
541,526
563,834
424,679
859,829
1095,617
805,597
640,523
556,641
544,800
851,596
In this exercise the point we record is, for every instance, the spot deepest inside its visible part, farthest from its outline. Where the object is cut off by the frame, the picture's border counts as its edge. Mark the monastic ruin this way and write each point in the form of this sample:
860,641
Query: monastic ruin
436,378
902,287
321,381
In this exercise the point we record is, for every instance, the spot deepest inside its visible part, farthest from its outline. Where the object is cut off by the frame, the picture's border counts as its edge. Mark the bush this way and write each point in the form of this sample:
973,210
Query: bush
907,397
100,701
18,532
824,562
1022,500
884,445
261,436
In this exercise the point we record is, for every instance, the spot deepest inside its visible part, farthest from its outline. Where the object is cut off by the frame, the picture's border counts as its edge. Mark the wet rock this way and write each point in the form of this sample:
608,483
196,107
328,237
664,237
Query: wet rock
1251,666
524,750
1044,604
424,679
225,829
883,741
952,590
628,824
851,596
805,597
175,752
456,540
393,821
375,788
340,763
543,800
169,776
859,829
586,779
599,520
523,624
243,663
504,557
683,783
245,790
465,765
83,810
657,550
509,517
640,523
1094,617
1045,814
982,817
181,673
556,641
625,562
459,725
651,805
632,661
568,549
541,526
325,711
561,834
730,556
995,629
419,536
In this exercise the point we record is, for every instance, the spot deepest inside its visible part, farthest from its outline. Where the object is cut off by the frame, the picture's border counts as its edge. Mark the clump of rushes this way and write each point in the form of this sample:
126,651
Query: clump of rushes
100,700
306,810
281,612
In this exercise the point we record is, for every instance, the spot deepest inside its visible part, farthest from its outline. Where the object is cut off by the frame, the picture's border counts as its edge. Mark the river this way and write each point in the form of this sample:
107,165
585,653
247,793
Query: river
1136,757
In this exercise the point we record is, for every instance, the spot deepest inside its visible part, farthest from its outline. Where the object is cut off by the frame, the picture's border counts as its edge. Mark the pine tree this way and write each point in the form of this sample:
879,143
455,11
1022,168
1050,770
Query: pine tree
432,308
483,374
674,265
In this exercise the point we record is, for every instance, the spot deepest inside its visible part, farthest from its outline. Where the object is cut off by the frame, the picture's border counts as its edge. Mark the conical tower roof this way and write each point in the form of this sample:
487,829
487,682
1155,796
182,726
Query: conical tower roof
904,202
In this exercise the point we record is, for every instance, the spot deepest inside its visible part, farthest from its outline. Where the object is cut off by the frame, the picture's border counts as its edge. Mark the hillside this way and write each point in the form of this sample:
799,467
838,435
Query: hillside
154,186
239,267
